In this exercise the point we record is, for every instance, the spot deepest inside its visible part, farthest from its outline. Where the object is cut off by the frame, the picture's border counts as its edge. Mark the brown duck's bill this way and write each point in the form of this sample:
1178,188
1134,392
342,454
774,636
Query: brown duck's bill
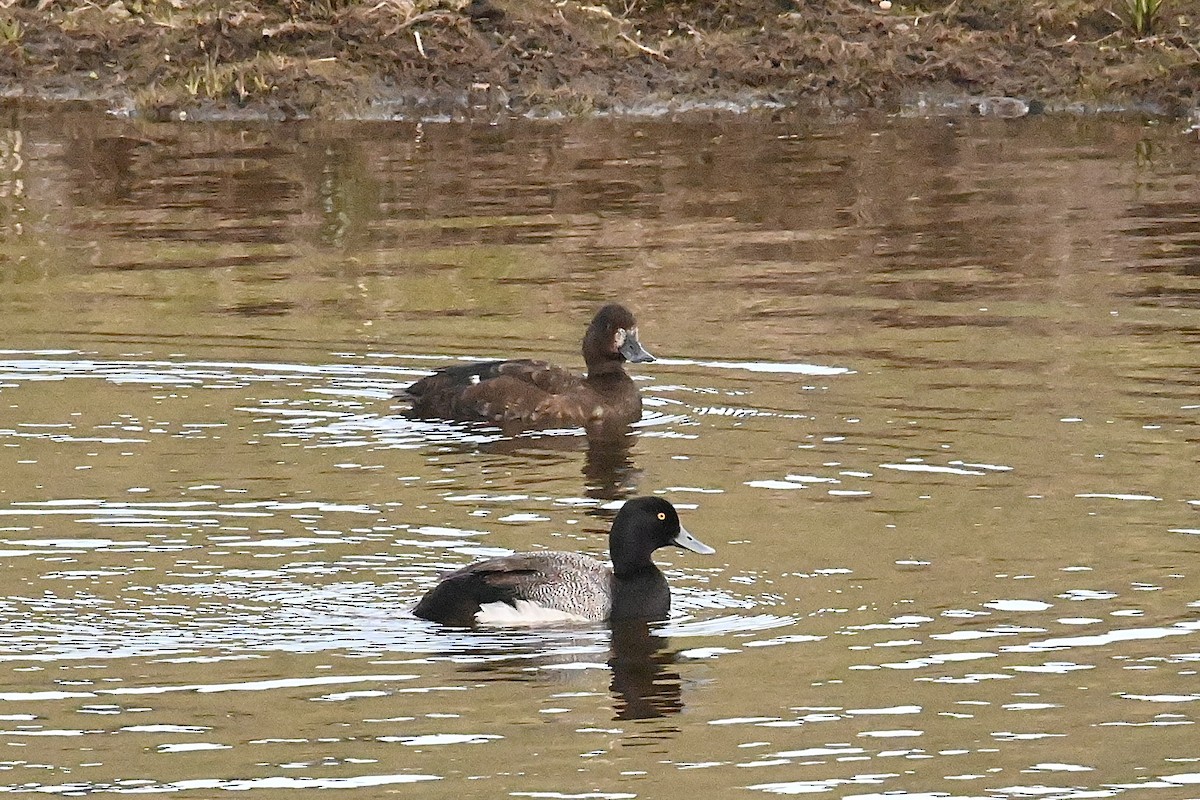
633,351
688,542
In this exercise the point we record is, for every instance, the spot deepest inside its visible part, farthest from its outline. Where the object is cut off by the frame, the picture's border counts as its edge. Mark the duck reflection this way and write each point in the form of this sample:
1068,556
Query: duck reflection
645,683
644,680
608,470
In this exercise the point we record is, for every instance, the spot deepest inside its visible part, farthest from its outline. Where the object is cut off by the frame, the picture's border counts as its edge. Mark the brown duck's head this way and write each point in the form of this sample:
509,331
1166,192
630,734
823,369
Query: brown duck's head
612,339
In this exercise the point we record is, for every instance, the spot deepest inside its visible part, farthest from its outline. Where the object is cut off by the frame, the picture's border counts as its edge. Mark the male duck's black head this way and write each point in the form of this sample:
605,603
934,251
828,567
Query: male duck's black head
643,525
611,340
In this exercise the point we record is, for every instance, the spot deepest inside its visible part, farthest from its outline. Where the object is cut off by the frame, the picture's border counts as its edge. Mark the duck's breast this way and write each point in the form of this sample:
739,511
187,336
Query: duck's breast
645,596
593,402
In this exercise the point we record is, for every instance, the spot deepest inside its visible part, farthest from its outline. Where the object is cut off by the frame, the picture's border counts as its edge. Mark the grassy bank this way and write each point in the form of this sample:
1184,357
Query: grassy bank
365,58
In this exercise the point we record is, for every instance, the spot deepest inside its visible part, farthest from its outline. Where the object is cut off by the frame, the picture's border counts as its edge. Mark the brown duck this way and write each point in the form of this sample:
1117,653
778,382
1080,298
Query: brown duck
540,394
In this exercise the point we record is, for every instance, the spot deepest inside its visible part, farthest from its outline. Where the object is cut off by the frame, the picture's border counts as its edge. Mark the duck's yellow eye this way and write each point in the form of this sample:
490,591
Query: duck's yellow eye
661,515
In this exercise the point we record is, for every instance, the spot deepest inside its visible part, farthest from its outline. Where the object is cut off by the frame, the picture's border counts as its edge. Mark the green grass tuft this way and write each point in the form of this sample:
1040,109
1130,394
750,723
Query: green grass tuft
10,31
1142,16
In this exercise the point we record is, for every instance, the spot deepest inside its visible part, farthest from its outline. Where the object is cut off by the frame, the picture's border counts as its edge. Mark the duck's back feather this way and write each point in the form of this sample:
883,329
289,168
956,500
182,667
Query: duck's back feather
525,391
494,391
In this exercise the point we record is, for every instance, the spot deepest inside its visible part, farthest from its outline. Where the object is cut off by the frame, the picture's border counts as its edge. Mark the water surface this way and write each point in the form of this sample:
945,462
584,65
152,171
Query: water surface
929,386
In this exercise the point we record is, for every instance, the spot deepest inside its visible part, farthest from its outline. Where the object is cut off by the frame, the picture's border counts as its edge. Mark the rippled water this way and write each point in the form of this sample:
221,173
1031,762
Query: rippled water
929,386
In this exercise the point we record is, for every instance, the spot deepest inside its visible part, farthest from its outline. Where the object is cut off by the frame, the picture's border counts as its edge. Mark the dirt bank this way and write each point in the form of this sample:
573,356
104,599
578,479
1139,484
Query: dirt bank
478,58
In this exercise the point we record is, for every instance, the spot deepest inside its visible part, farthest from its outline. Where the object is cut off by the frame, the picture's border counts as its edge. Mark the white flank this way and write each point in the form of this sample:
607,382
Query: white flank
524,612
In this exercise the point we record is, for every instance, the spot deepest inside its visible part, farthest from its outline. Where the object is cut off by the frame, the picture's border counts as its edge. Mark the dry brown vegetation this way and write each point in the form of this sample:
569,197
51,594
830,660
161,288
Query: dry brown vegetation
481,57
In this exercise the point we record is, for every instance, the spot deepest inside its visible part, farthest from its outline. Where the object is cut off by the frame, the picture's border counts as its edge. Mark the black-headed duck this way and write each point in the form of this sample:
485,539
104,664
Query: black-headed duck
540,394
546,587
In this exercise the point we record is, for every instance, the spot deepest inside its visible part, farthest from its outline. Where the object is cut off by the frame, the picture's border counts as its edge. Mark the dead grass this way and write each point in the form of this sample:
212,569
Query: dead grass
327,56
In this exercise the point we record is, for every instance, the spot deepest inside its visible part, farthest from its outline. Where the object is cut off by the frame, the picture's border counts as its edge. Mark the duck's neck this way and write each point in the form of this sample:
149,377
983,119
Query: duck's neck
635,572
630,553
606,369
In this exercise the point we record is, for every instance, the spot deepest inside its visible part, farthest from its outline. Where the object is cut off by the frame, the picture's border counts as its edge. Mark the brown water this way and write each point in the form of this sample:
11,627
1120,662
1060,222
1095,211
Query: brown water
929,386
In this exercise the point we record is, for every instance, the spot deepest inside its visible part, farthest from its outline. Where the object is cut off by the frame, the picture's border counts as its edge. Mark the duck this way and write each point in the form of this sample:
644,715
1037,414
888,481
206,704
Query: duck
554,587
532,393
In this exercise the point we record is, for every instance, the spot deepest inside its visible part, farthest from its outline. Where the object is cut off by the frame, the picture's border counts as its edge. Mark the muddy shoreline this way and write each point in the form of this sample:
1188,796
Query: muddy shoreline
479,59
